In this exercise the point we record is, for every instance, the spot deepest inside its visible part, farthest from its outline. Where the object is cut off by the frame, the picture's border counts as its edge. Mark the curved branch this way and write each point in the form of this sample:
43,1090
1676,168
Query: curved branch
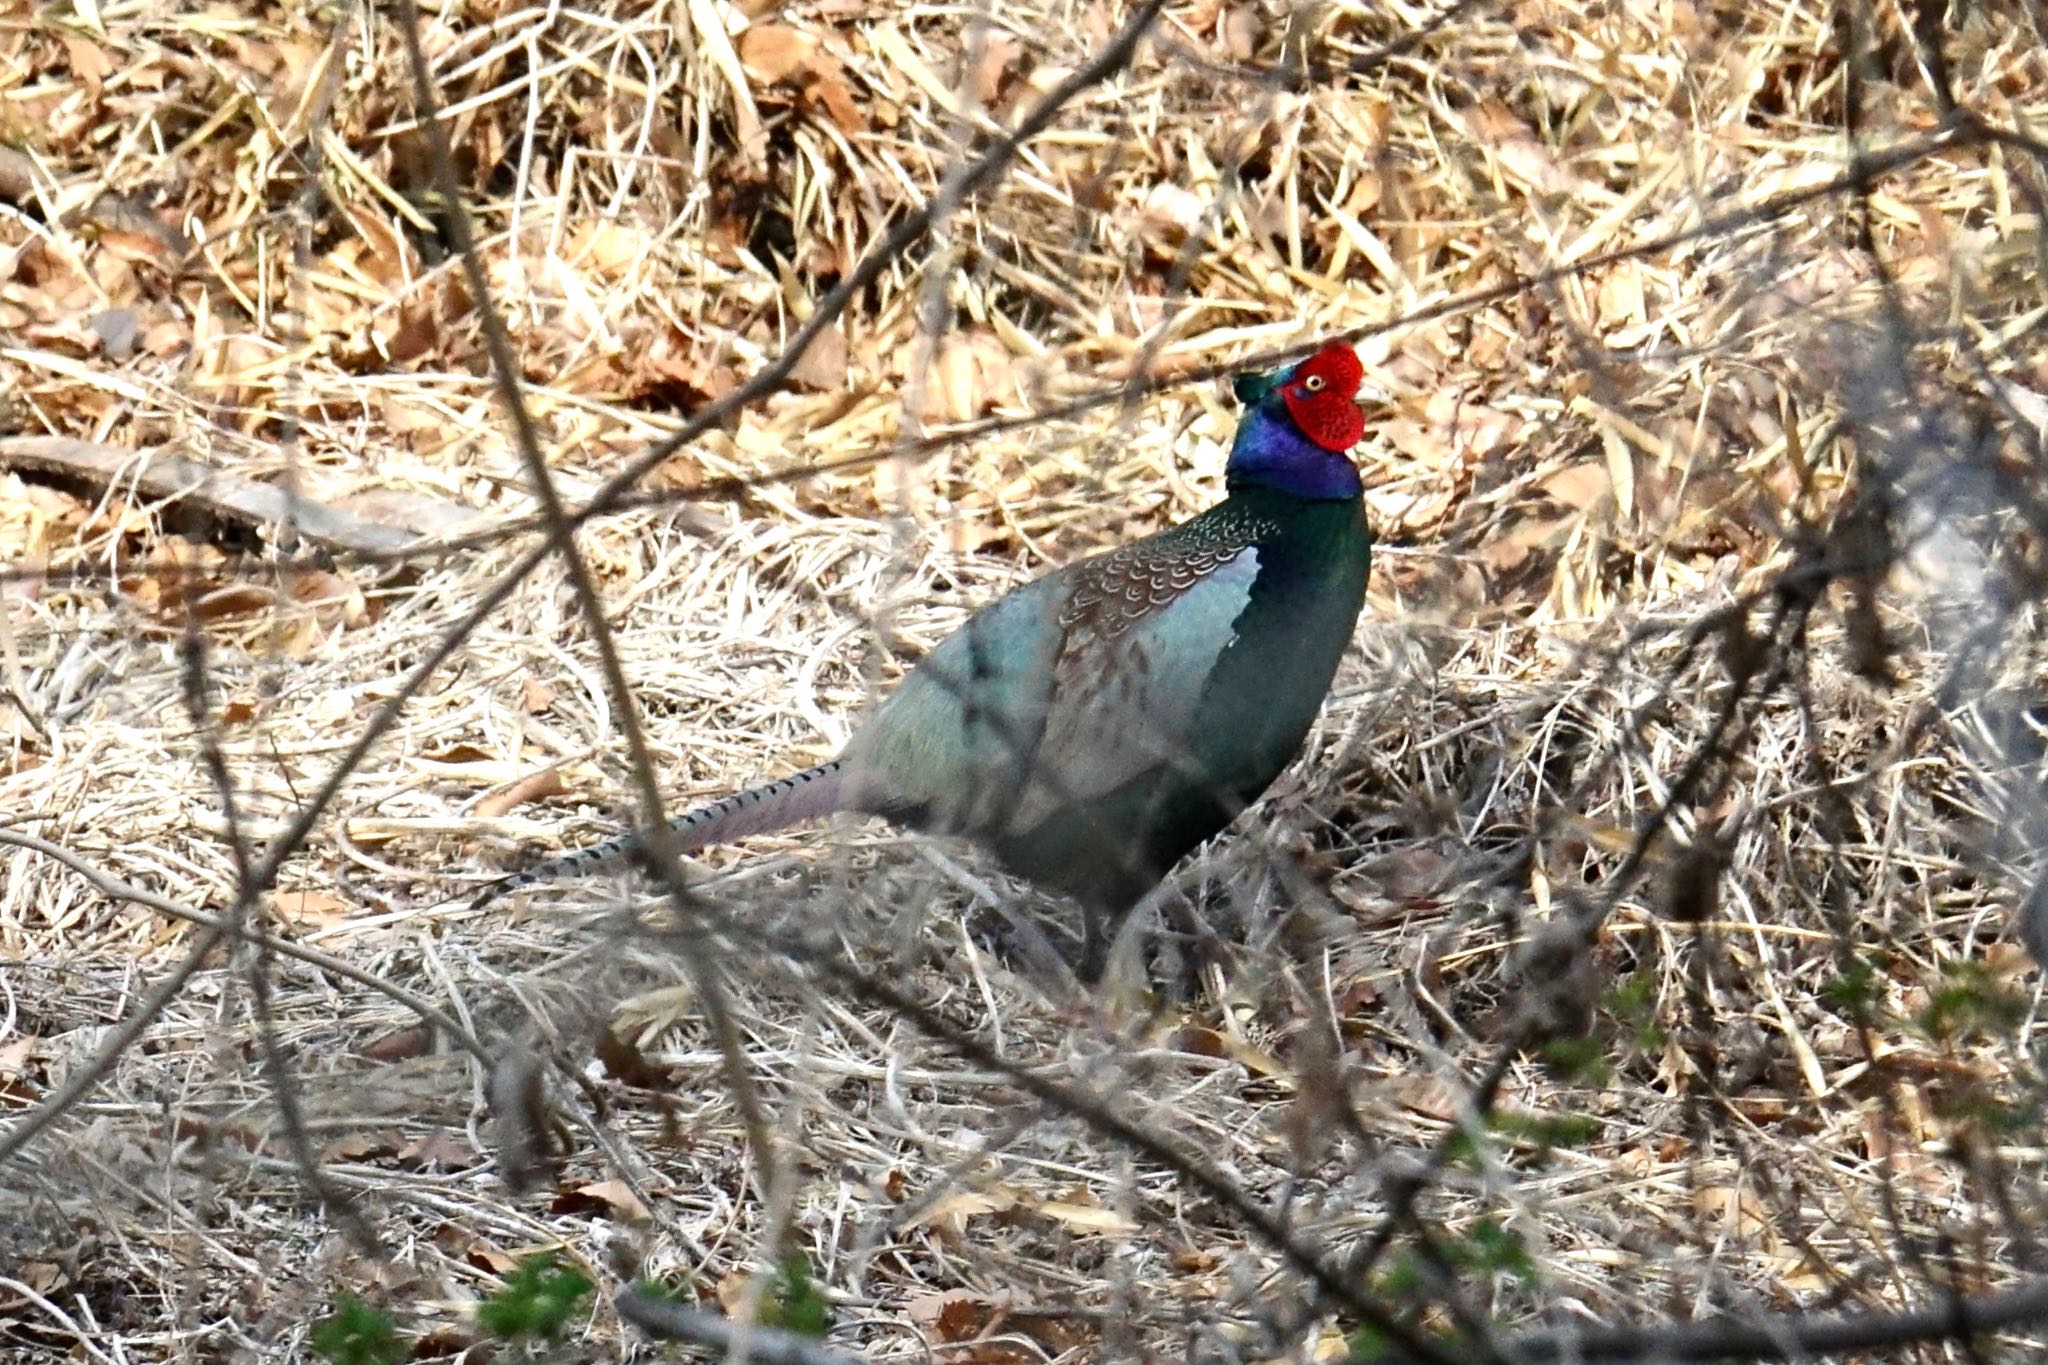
1783,1336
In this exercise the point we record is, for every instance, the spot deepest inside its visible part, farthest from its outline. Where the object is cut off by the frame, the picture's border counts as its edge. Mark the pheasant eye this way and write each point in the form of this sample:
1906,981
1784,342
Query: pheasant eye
1313,383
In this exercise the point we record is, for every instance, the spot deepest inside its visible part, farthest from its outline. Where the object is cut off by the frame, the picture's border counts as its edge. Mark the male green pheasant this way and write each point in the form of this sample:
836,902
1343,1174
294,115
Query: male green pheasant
1093,726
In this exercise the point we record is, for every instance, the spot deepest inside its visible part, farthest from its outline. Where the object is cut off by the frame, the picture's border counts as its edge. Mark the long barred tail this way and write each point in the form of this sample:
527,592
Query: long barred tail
807,795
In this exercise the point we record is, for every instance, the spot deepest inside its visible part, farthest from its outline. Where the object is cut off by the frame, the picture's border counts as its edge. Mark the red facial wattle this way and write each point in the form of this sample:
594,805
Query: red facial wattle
1331,422
1320,398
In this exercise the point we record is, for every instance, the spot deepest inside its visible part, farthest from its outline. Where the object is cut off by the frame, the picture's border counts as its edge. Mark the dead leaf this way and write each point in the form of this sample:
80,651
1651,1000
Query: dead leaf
1497,128
17,1057
1082,1213
334,600
1741,1214
654,1012
460,752
952,1210
972,371
535,697
1240,29
1169,214
1474,429
732,1292
490,1259
89,62
1504,554
955,1315
138,248
999,55
400,1045
233,600
612,1198
1621,300
361,1147
1197,1041
955,382
1430,1098
1580,485
609,248
535,786
773,53
311,909
1423,442
823,366
1355,998
623,1060
437,1151
18,176
827,92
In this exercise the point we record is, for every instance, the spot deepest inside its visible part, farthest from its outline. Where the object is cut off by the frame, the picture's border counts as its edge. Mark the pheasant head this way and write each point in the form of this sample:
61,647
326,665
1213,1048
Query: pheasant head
1299,423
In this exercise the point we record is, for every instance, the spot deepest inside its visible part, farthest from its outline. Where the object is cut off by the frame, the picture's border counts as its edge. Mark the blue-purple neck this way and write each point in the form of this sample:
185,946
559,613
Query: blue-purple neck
1271,452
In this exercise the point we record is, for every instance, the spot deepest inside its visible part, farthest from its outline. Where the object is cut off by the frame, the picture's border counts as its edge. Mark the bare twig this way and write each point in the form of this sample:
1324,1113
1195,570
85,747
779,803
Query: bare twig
1781,1336
769,1345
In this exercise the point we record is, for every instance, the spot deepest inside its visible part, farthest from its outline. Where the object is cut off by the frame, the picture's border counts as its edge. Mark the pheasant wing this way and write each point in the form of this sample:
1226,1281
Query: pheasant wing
1140,631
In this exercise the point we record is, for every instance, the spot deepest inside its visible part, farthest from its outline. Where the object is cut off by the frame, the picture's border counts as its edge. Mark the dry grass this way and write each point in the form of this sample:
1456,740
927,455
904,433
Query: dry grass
217,230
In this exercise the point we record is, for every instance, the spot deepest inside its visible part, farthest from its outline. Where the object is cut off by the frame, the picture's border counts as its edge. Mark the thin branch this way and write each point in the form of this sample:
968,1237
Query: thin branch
1096,1110
767,1345
561,537
83,1078
116,889
1783,1336
617,494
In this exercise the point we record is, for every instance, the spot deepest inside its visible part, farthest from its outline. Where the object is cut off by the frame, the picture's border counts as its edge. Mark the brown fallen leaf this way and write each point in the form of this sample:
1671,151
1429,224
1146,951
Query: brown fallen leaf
89,62
460,752
954,1315
1517,149
333,599
489,1258
626,1063
311,909
18,1059
612,1198
827,92
611,249
999,57
400,1045
535,697
1082,1213
437,1151
362,1147
823,365
535,786
19,176
1580,485
1239,30
952,1210
772,53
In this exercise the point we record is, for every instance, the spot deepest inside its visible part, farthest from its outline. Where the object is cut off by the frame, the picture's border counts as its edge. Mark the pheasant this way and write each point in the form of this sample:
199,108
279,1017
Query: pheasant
1093,726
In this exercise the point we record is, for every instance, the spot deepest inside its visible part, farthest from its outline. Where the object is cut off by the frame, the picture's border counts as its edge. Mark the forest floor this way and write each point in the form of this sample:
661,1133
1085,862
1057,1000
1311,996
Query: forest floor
1635,942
